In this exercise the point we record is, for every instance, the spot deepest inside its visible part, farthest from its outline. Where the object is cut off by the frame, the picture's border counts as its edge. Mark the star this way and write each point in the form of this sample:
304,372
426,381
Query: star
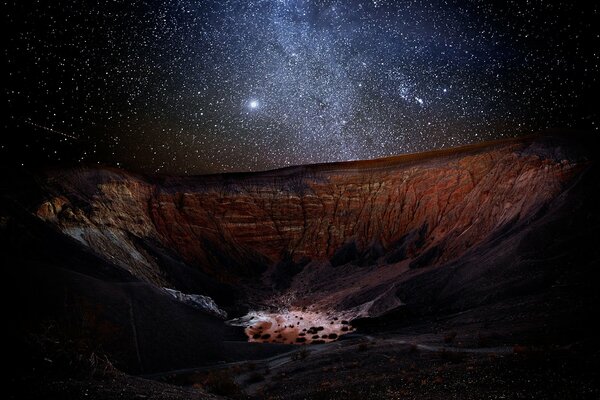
213,86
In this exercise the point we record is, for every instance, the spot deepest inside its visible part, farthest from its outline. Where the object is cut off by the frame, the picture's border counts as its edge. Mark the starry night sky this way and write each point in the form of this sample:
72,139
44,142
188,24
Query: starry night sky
238,85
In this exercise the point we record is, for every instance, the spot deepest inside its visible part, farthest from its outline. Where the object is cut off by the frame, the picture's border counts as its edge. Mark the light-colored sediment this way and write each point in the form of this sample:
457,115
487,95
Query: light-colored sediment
293,327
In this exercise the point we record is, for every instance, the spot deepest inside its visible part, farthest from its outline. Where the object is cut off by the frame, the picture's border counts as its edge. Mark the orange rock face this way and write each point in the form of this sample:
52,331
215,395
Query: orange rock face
429,208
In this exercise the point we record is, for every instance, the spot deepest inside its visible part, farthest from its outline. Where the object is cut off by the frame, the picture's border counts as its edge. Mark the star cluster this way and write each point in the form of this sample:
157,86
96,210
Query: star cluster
236,85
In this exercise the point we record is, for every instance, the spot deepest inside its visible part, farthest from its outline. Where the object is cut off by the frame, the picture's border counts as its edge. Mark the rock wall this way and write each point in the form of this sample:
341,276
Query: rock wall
429,208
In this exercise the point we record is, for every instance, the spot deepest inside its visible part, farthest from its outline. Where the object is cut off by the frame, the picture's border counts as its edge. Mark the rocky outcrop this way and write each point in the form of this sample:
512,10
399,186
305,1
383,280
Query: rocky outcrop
427,208
203,303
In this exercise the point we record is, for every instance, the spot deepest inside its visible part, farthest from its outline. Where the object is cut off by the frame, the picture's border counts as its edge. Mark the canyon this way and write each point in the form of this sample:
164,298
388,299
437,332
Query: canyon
495,243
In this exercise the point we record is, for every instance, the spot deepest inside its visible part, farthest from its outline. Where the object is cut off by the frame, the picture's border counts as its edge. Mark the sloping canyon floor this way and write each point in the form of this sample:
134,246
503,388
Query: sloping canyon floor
461,273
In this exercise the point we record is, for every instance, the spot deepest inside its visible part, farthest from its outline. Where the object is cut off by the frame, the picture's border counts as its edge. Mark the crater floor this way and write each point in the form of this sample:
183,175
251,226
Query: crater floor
293,327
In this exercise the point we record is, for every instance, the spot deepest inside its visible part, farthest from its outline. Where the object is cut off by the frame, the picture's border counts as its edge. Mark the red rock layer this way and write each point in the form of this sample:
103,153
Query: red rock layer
446,202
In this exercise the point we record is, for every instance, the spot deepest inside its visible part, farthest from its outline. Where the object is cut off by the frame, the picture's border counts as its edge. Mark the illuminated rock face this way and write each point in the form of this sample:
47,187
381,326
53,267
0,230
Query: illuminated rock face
202,303
415,211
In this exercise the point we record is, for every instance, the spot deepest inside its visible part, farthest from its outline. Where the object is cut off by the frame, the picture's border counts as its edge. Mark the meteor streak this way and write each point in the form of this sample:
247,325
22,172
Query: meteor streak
48,129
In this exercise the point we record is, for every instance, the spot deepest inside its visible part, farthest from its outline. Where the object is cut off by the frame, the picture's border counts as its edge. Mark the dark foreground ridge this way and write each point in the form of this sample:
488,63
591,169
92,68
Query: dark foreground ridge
467,273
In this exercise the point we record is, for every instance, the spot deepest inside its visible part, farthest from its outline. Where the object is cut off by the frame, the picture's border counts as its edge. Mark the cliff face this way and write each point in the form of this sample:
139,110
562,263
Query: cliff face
427,209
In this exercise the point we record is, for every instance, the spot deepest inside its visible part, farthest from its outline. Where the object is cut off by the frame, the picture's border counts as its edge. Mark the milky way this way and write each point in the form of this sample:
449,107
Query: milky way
211,86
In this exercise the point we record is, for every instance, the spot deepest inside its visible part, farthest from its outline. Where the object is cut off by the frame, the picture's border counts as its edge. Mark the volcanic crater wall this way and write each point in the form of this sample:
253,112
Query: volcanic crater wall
430,208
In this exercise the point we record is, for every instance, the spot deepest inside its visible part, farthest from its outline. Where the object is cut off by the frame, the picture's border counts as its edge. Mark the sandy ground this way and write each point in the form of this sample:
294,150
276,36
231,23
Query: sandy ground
293,327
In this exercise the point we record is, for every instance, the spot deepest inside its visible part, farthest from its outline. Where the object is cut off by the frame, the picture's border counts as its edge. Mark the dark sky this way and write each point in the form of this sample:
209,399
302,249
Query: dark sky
236,85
